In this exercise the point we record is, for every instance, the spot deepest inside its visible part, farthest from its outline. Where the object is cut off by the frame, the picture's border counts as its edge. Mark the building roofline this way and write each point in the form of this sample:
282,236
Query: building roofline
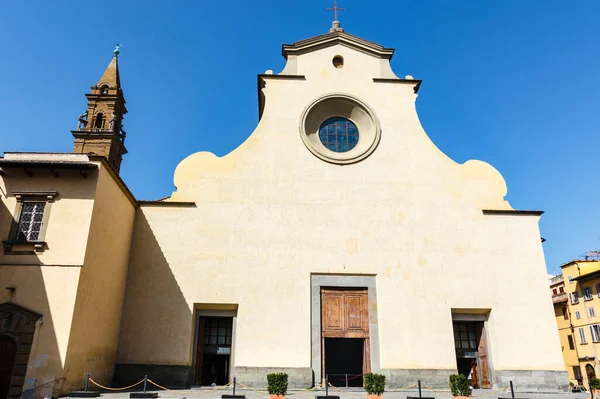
415,82
571,262
333,38
582,277
116,177
511,212
161,203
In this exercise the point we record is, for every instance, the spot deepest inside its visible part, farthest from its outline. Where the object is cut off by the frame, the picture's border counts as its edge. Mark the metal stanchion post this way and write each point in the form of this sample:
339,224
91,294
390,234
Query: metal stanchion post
234,382
327,385
420,389
346,380
512,391
87,381
145,382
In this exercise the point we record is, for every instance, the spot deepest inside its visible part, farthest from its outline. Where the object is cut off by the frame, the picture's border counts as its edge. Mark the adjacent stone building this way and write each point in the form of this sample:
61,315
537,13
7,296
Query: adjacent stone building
336,240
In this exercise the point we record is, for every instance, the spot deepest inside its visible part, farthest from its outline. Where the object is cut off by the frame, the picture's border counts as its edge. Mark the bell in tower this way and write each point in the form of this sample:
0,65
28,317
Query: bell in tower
100,128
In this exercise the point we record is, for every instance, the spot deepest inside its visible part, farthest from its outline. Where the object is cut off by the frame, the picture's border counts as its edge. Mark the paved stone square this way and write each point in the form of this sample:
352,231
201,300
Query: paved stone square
209,393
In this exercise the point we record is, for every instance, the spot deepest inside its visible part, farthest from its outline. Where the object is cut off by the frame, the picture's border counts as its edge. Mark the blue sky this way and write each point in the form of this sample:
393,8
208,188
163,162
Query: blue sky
514,83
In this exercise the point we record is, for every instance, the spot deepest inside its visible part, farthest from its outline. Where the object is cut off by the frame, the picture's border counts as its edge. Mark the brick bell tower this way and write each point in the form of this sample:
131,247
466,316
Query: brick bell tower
100,128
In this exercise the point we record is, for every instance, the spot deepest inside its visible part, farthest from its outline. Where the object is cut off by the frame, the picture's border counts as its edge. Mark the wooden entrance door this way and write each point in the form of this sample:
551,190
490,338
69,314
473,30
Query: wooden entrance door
345,314
8,353
486,381
471,352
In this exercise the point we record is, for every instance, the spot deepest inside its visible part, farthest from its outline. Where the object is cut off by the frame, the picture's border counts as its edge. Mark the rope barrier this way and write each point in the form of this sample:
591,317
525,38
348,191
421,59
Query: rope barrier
479,396
446,393
115,389
187,390
155,384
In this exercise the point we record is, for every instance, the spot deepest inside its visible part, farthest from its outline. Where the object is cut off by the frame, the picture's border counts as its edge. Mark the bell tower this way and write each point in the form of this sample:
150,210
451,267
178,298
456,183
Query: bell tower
100,128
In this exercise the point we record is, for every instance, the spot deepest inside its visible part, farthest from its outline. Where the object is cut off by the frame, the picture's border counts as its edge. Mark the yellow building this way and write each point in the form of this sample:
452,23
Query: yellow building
576,297
296,252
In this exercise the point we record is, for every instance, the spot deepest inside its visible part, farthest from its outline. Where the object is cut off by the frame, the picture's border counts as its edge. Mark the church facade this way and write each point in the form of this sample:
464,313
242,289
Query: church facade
336,240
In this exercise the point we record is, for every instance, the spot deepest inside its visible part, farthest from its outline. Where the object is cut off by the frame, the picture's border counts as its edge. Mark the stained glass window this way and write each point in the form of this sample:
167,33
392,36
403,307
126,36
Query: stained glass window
338,134
30,222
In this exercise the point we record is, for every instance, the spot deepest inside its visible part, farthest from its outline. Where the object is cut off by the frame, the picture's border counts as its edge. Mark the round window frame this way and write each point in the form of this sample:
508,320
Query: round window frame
369,128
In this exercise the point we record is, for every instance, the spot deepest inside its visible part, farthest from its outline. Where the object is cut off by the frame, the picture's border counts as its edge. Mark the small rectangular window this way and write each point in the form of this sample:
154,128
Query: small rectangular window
562,289
587,294
577,315
554,292
574,298
30,221
577,372
571,343
595,331
570,278
592,312
598,289
582,336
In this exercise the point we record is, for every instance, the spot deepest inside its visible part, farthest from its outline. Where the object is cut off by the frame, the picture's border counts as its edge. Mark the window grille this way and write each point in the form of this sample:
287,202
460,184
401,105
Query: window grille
592,312
30,221
465,336
587,293
577,315
218,331
338,134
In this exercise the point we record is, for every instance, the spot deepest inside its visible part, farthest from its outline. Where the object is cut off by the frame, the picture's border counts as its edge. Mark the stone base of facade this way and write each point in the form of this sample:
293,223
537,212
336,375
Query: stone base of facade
432,378
256,377
532,380
170,376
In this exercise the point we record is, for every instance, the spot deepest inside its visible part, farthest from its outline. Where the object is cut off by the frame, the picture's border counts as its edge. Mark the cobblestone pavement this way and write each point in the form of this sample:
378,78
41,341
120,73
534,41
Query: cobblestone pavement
209,393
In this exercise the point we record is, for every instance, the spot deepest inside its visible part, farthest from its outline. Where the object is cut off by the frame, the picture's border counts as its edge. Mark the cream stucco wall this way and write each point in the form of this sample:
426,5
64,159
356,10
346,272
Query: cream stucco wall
46,282
77,284
94,336
270,213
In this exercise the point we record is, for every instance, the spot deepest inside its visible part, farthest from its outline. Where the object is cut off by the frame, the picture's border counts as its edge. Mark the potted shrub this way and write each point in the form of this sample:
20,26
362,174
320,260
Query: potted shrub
277,384
459,386
374,385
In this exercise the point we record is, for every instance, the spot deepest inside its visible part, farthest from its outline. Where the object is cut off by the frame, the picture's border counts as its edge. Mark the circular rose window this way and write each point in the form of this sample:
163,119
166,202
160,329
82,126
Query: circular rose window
338,134
339,128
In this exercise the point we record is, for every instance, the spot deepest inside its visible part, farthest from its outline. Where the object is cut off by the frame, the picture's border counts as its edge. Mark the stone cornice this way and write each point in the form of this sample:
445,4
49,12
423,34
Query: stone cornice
333,38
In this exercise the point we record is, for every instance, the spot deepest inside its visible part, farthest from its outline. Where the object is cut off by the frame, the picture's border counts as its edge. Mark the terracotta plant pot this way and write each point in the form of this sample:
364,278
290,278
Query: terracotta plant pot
373,396
276,396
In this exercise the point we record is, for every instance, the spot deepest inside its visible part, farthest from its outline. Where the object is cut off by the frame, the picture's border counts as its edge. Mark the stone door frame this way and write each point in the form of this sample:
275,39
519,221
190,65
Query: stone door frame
19,324
458,315
318,281
212,313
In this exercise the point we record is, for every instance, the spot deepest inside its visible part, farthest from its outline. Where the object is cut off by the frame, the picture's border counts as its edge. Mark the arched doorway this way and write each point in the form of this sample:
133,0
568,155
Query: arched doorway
17,326
591,373
8,353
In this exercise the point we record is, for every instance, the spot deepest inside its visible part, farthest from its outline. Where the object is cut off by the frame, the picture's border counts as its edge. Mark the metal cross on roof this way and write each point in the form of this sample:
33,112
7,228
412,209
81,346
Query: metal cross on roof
335,10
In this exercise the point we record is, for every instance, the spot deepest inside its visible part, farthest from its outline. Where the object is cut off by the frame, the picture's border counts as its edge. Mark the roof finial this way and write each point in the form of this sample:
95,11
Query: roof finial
335,26
117,49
